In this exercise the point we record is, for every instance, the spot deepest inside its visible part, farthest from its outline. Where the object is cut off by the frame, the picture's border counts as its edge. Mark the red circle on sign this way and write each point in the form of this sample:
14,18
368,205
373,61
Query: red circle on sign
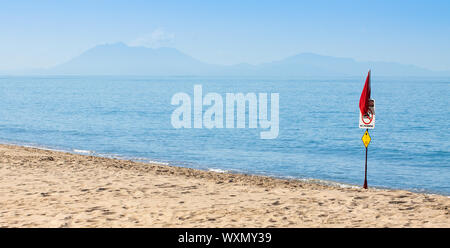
370,115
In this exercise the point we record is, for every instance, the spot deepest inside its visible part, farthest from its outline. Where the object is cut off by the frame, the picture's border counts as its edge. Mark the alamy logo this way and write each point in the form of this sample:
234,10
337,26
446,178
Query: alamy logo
235,105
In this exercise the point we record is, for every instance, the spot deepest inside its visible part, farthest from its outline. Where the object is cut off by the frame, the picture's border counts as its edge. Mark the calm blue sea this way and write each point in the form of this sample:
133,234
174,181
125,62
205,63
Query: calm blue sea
129,117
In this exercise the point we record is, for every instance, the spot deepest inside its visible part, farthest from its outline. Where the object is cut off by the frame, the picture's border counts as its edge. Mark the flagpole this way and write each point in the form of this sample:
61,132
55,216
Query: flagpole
365,170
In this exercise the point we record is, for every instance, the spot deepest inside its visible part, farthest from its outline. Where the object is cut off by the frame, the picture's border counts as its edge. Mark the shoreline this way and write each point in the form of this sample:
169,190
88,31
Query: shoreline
325,182
207,169
47,188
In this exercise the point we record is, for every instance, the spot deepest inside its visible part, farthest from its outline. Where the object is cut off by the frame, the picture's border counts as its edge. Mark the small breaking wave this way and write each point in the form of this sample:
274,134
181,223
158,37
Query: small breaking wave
83,151
217,170
328,183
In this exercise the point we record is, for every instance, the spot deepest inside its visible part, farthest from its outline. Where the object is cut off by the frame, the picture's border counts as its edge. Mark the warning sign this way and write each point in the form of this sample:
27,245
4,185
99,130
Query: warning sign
366,139
367,121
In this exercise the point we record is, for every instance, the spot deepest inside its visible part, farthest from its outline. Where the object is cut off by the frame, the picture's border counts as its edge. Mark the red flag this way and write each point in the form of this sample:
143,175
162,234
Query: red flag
365,96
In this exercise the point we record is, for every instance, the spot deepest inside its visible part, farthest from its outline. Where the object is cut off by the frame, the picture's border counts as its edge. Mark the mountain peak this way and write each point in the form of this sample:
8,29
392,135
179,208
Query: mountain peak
121,59
116,44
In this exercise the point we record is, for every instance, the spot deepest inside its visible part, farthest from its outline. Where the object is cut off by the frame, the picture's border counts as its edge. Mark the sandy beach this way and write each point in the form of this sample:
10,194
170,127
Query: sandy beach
42,188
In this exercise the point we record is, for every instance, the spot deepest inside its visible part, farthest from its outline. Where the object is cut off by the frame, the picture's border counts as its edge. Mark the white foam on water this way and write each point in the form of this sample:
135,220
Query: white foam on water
134,159
217,170
146,160
329,183
41,147
156,162
83,151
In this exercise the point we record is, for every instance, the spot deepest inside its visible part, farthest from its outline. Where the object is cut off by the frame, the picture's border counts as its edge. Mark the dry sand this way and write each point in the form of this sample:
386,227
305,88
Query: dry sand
41,188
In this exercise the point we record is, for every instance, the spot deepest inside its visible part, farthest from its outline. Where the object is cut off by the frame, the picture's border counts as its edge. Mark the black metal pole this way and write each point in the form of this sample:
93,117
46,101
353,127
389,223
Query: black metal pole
365,170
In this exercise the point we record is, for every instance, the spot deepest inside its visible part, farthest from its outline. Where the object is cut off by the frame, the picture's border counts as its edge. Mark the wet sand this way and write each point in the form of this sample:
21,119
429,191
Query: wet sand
41,188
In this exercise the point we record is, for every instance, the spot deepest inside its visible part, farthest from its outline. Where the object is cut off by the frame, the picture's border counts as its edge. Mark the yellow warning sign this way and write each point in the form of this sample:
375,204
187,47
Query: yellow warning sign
366,139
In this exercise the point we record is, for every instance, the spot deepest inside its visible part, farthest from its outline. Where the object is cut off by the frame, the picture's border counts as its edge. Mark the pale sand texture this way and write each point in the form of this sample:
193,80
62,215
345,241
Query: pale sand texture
41,188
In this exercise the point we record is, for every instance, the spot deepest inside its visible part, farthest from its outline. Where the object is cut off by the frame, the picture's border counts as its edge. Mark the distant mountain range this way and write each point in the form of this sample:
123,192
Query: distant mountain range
120,59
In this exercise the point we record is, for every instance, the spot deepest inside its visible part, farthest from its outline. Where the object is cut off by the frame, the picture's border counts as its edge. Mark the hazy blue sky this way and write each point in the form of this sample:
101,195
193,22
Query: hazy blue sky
45,33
